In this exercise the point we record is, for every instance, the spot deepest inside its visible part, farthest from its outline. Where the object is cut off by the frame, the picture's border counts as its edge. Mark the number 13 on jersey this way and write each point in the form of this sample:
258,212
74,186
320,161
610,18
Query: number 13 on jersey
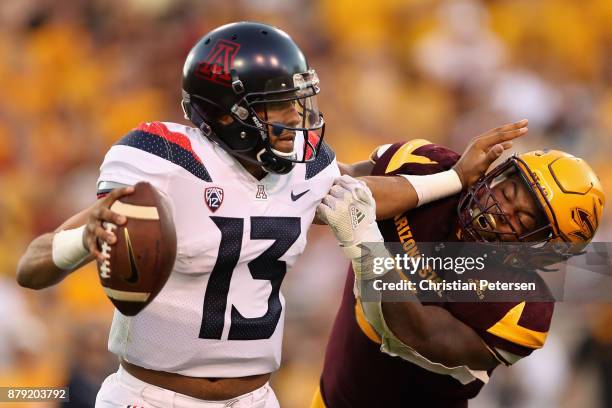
267,266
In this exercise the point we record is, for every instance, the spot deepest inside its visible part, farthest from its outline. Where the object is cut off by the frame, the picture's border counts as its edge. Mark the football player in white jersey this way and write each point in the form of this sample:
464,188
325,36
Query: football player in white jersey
244,184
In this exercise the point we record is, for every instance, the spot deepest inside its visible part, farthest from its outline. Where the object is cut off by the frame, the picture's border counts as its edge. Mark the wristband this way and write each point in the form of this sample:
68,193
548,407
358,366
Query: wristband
67,249
433,187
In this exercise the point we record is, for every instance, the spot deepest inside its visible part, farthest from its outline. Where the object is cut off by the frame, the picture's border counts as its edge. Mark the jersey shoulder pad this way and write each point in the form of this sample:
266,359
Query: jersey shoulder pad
324,159
169,141
417,156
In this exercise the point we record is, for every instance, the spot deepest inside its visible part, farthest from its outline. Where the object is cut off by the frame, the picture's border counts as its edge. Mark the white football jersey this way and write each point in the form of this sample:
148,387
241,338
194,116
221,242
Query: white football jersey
221,313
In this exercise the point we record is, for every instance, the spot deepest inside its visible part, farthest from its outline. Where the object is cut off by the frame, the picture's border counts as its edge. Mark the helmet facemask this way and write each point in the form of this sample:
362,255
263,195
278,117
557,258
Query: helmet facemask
286,111
482,219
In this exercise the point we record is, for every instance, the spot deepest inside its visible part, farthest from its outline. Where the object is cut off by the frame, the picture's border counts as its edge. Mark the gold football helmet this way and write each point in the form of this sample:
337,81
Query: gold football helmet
566,190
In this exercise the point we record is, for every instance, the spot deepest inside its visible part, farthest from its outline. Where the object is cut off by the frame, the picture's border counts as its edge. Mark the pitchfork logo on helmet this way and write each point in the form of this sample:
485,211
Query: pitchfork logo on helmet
567,197
219,62
586,222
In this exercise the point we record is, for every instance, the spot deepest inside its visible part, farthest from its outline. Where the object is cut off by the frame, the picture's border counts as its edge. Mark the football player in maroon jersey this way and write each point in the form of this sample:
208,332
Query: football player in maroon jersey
440,354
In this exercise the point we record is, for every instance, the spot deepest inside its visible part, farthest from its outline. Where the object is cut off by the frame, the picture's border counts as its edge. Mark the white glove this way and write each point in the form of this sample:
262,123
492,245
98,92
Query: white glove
350,211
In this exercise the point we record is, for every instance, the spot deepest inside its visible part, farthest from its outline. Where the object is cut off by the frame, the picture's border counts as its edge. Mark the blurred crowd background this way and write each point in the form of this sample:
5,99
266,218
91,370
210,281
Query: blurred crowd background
76,75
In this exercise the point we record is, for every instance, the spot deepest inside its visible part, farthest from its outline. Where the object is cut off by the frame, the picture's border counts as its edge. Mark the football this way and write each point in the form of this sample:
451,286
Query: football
138,265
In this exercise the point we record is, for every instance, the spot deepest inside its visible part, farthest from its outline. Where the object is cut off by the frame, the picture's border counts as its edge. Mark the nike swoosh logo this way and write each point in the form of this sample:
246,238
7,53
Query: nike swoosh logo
134,277
295,197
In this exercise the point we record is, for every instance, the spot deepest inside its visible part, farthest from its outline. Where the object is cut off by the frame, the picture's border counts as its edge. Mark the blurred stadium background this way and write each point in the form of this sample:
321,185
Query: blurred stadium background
76,75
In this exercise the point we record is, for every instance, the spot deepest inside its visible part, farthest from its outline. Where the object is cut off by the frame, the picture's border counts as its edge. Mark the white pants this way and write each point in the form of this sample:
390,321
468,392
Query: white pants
122,389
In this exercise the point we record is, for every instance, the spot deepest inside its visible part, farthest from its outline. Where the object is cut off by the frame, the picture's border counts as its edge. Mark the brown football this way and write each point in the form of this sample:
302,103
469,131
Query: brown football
140,262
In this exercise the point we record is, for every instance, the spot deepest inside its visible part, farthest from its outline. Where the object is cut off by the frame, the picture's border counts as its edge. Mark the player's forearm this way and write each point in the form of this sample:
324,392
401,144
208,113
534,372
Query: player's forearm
358,169
436,334
407,319
436,337
393,195
36,269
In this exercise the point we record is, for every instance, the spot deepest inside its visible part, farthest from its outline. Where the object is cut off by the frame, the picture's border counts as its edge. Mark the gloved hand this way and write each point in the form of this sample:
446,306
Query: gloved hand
350,211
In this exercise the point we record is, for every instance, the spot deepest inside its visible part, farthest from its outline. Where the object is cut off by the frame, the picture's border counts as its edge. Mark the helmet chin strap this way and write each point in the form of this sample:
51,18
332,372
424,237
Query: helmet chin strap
272,160
275,161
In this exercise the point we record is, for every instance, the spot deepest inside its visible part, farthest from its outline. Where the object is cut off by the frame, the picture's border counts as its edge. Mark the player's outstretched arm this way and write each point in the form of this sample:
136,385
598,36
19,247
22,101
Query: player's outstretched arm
397,194
434,332
362,168
52,256
349,210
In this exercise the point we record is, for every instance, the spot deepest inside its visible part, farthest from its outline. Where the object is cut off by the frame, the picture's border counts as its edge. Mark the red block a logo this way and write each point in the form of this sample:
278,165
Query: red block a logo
219,62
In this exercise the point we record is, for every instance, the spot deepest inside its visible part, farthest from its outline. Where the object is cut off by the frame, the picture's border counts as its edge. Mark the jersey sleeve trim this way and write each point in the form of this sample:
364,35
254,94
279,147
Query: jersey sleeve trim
102,193
155,138
105,187
496,353
506,357
508,328
325,157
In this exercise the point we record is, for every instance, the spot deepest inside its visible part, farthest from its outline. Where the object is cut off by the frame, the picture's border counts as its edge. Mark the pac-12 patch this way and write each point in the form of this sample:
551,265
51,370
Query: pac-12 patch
213,197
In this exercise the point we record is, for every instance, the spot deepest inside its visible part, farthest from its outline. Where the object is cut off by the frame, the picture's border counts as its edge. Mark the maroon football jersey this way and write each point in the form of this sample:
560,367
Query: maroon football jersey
357,374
